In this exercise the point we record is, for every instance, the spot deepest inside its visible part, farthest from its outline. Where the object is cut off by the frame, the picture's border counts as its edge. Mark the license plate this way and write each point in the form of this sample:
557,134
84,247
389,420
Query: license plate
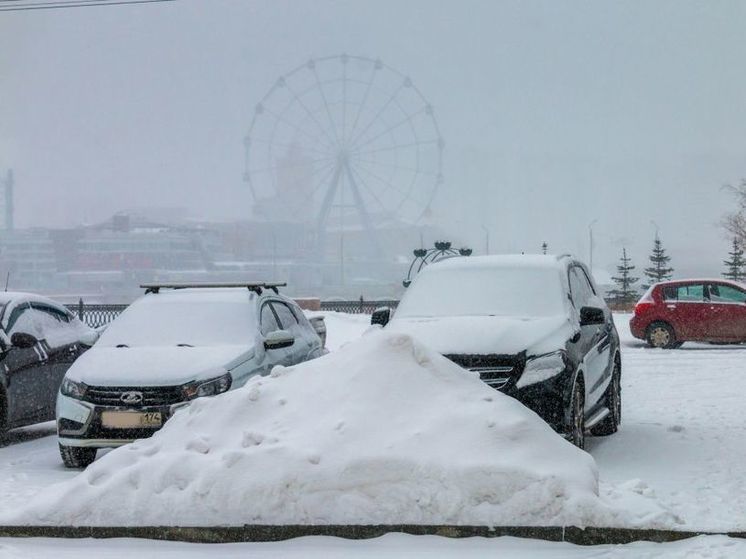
131,420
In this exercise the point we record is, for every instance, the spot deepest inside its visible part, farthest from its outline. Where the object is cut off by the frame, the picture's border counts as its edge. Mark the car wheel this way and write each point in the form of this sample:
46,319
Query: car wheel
613,401
660,334
77,457
577,416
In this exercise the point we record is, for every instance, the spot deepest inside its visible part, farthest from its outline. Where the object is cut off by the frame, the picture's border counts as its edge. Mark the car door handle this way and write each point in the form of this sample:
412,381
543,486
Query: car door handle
671,307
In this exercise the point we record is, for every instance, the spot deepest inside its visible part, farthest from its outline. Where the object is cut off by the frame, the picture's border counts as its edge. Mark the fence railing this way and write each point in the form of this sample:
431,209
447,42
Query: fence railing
97,315
360,306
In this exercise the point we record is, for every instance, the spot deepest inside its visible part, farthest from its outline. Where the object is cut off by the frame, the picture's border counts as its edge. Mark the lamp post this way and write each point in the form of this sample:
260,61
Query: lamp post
590,244
657,229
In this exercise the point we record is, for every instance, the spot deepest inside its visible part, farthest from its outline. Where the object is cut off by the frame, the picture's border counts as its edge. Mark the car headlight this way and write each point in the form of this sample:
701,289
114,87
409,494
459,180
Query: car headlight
207,387
73,389
542,367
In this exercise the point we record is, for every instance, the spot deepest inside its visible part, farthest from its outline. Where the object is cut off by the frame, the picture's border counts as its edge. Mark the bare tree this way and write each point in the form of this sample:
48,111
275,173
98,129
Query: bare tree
735,222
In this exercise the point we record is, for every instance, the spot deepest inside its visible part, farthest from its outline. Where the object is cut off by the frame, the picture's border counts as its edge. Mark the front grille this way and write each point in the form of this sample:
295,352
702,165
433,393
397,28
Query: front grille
495,370
151,395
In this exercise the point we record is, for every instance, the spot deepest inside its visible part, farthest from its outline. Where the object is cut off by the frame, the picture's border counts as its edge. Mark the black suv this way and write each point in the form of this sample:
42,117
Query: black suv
533,327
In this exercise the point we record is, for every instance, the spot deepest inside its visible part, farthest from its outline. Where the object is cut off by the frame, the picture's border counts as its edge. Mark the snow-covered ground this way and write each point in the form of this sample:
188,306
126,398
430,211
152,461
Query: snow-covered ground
391,546
356,437
683,440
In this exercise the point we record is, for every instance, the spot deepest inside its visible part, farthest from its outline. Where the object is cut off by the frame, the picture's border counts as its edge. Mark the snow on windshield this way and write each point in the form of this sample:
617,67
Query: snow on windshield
481,291
171,319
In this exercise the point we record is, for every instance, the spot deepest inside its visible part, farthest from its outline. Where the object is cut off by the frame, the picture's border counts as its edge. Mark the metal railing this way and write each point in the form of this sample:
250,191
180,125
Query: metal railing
360,306
97,315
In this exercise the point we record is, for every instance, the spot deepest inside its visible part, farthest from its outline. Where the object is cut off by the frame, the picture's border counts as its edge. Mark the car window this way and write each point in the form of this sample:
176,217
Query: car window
286,316
726,294
580,288
13,320
57,314
694,292
268,322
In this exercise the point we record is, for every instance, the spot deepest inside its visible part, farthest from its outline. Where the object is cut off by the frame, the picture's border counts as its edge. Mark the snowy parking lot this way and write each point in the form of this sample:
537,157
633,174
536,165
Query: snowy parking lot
682,440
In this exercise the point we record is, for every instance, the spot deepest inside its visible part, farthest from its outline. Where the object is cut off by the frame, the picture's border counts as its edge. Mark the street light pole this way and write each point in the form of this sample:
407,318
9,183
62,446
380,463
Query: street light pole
590,247
657,229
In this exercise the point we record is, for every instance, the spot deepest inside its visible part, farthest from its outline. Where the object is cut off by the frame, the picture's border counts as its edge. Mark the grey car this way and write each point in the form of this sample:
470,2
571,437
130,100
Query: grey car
173,345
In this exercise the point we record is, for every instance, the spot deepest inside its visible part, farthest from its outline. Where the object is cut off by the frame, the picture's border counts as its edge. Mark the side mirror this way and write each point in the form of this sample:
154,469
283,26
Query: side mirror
23,340
89,338
381,316
590,316
278,339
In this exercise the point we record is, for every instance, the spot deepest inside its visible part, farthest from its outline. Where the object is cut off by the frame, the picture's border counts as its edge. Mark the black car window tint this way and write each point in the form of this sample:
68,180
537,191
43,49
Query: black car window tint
288,321
726,294
670,293
692,292
268,322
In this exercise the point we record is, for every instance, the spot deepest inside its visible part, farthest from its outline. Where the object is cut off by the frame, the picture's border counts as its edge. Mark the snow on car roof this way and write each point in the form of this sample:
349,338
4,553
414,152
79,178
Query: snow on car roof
19,296
217,295
500,261
701,280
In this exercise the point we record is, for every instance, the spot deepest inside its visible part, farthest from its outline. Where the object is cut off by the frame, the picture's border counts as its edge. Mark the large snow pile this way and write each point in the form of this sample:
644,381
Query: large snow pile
382,431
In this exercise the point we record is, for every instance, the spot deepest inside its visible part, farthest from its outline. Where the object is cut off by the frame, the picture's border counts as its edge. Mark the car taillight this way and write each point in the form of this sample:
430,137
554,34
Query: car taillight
643,306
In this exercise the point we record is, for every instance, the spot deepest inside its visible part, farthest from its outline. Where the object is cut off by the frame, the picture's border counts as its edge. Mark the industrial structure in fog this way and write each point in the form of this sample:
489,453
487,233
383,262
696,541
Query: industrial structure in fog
107,262
343,160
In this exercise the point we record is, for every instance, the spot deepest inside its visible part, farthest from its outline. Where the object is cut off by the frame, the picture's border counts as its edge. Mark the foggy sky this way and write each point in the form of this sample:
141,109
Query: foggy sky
554,114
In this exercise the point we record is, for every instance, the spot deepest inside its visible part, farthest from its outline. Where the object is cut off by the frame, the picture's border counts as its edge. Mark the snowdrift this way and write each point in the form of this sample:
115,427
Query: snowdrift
384,431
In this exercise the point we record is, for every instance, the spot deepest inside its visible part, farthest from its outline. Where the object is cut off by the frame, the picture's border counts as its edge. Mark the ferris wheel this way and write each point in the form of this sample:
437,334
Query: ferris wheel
344,140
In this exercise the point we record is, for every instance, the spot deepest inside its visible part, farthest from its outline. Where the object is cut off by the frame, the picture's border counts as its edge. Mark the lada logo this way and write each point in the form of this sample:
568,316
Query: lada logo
131,397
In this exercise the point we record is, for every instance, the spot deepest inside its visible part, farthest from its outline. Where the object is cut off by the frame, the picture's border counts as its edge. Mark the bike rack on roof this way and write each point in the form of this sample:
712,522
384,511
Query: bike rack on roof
256,287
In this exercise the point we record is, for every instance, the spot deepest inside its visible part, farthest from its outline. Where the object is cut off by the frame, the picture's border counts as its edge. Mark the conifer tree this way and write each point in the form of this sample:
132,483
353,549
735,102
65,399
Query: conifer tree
735,268
624,292
659,269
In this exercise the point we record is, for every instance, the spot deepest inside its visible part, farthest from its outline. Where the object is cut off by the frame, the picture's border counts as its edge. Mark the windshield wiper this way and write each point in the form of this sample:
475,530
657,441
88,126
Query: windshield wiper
121,345
184,345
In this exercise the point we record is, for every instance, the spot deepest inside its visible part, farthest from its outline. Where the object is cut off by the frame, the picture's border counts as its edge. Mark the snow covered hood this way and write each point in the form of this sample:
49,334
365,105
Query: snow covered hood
153,366
487,334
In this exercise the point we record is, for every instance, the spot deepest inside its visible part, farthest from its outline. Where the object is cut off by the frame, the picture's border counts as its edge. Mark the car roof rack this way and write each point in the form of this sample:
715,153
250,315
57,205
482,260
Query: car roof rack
256,286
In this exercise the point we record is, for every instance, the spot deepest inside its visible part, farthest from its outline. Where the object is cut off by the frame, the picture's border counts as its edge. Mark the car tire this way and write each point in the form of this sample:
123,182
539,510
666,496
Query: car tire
76,456
661,335
577,416
613,401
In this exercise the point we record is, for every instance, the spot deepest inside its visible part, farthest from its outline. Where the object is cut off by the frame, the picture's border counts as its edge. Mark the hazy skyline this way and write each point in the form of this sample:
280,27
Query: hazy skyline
554,114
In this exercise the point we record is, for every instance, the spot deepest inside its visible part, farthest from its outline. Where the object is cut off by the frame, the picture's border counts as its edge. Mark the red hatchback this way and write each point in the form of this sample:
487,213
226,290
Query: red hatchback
673,312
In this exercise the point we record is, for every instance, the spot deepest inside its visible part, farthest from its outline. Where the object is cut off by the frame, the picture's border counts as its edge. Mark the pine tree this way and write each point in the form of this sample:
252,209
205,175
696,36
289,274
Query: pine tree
624,292
658,271
736,266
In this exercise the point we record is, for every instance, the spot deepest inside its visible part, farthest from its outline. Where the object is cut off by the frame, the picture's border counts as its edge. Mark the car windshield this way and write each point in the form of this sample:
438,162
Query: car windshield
520,292
182,322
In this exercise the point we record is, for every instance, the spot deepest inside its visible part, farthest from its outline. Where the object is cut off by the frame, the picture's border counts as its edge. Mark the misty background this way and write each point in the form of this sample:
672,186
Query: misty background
555,115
